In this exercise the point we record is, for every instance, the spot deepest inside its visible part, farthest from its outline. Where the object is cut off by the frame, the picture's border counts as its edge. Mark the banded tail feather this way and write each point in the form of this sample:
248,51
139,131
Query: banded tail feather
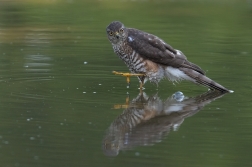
204,80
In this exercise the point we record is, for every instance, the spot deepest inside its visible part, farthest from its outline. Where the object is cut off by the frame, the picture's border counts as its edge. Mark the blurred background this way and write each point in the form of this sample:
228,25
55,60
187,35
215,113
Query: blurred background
58,93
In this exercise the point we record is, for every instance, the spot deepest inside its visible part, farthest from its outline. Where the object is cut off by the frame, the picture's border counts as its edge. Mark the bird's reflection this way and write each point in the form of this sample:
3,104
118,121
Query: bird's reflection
147,120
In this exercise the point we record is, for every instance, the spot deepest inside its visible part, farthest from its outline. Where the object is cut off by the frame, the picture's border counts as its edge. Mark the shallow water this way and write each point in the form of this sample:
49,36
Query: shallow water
62,106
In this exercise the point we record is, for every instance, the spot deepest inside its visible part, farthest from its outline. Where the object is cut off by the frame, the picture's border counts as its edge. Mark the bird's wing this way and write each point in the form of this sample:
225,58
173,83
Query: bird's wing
156,50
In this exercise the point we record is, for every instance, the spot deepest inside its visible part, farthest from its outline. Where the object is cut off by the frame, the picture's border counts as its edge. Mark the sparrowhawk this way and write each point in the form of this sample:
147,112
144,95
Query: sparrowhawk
150,58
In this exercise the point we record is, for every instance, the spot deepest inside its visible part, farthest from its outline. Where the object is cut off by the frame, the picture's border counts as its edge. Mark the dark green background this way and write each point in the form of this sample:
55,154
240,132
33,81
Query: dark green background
50,115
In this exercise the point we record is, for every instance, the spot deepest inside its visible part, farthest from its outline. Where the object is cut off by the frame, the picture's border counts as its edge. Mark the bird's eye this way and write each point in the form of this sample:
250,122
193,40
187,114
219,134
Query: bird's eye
121,30
110,33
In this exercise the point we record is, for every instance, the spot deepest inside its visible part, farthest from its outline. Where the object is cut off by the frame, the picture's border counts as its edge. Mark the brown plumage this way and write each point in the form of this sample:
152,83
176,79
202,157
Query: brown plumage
149,55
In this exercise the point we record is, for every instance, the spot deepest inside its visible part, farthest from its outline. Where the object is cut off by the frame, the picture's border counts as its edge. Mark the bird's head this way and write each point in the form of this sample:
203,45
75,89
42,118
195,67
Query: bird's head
116,32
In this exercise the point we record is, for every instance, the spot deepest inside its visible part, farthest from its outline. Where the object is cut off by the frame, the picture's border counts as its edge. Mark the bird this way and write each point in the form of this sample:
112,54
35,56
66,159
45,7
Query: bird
151,59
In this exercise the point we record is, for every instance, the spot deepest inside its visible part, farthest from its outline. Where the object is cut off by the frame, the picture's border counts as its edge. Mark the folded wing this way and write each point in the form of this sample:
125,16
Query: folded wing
156,50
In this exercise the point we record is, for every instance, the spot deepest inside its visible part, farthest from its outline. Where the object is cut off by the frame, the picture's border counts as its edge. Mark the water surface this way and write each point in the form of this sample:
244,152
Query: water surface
59,98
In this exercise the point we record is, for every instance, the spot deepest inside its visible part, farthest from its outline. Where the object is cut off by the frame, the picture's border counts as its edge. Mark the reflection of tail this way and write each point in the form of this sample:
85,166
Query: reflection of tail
208,97
190,106
204,80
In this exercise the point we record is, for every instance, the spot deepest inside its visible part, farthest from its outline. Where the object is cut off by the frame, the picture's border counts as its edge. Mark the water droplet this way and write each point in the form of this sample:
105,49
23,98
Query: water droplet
5,142
137,153
179,96
32,138
36,157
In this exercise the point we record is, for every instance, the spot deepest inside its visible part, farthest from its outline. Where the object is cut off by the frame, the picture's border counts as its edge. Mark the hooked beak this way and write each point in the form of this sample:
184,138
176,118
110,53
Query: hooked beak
117,35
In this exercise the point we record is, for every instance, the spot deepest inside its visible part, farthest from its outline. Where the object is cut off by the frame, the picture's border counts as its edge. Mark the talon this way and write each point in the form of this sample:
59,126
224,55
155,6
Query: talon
127,75
122,73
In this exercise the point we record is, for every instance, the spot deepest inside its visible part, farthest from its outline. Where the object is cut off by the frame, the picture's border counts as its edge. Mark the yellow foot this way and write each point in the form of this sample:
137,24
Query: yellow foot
127,75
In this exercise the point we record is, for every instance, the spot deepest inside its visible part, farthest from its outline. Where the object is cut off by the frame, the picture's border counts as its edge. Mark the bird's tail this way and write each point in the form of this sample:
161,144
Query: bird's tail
204,80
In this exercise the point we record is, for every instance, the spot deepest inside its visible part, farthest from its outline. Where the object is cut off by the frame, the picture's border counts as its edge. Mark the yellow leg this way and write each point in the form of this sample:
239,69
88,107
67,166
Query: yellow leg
141,85
127,75
128,79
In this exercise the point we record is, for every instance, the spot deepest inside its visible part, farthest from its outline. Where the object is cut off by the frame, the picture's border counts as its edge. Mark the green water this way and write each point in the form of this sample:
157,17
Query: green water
60,102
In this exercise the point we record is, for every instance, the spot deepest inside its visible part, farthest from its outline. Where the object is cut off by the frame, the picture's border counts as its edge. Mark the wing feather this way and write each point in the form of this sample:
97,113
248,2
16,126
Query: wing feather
153,48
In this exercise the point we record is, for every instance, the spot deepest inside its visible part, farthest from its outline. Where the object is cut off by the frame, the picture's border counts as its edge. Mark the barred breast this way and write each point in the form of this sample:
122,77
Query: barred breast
133,60
137,64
